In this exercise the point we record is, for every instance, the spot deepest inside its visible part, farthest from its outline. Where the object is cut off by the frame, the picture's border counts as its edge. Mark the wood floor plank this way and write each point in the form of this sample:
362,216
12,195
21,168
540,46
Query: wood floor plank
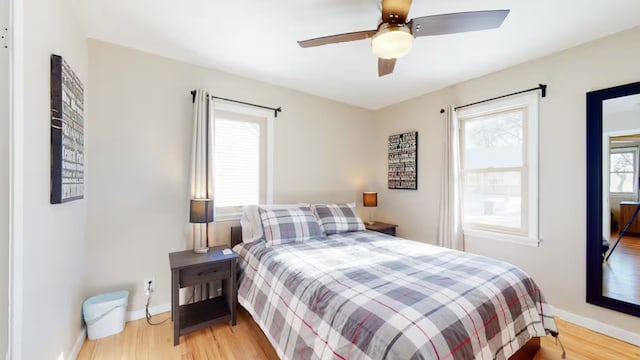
620,275
141,341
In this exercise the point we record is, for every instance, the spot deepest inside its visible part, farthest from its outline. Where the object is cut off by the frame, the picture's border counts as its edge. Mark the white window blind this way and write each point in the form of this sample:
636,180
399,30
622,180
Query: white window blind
243,158
240,162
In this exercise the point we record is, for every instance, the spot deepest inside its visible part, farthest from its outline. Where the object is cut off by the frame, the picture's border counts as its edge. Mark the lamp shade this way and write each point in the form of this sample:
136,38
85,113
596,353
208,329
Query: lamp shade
370,198
201,211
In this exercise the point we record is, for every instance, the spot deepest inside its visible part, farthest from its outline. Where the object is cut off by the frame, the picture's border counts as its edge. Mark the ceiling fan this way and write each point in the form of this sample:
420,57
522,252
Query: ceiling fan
394,36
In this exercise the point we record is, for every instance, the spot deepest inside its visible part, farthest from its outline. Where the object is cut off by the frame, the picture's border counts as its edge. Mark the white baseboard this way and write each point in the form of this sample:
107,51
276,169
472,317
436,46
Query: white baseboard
140,314
75,351
600,327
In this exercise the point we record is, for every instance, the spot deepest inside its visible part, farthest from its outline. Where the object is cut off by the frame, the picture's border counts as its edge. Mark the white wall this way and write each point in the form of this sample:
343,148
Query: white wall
558,265
140,149
54,235
627,120
415,211
4,177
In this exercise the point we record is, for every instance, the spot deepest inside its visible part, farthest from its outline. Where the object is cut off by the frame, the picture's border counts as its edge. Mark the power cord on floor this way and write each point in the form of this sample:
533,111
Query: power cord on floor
564,353
147,313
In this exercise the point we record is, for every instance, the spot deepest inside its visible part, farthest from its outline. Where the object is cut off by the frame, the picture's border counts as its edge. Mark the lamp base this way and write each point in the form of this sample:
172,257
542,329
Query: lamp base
201,250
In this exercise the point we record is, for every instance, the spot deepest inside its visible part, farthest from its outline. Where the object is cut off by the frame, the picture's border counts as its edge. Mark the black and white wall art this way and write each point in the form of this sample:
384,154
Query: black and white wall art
67,133
403,161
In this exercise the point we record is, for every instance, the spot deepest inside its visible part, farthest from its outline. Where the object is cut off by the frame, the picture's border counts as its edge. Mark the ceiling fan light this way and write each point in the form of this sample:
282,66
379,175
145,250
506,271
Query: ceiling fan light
392,42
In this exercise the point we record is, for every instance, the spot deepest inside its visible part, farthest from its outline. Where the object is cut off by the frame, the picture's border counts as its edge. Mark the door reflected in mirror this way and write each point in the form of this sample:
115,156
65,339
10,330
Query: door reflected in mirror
620,180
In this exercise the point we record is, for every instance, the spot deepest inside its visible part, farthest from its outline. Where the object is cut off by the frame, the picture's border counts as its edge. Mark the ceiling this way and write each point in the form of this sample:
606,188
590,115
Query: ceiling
621,104
257,39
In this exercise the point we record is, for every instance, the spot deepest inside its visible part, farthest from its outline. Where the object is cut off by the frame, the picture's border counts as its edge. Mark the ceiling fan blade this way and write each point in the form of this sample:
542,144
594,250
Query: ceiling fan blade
334,39
395,11
457,22
385,66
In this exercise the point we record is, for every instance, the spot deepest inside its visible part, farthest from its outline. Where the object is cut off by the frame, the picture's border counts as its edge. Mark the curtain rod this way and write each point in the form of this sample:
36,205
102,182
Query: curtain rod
542,87
275,110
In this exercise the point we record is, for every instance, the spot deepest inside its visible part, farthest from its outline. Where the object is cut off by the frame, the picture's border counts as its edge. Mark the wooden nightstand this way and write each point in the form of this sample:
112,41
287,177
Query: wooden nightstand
189,269
384,228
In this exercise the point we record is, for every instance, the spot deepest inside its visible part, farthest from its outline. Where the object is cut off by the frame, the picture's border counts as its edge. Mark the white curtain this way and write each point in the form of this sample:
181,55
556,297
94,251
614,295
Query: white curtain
450,226
201,170
201,181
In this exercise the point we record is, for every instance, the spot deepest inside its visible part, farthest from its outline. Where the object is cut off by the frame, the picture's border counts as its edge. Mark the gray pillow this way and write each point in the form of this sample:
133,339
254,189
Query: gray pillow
338,218
282,226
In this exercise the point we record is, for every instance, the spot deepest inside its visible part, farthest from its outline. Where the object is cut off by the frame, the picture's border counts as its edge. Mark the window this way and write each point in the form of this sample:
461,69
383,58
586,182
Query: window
241,159
499,169
622,174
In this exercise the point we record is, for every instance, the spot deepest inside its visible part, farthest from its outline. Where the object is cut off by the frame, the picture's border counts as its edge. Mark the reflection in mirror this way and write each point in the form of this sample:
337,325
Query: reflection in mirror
620,180
613,125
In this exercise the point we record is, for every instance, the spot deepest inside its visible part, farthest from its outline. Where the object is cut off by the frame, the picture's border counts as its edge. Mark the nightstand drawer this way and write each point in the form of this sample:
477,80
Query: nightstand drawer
208,272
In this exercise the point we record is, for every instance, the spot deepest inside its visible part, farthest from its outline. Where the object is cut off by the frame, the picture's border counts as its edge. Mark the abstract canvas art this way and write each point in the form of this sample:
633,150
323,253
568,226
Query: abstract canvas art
67,133
403,161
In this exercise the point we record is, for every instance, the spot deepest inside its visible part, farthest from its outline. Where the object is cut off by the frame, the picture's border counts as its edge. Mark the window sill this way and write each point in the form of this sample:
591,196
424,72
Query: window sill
228,217
514,239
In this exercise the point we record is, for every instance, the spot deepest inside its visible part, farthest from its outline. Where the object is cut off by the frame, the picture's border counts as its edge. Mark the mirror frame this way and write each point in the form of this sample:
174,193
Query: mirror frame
594,197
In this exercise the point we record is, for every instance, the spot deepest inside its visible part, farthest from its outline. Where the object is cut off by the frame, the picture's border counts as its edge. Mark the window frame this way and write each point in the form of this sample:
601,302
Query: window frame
528,233
635,152
233,213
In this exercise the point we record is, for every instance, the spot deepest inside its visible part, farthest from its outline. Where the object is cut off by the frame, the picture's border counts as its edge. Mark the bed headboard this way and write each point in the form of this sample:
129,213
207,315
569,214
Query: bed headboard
236,235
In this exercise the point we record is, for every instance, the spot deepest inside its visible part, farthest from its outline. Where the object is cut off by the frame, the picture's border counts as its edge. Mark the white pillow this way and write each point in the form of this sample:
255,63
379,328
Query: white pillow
252,224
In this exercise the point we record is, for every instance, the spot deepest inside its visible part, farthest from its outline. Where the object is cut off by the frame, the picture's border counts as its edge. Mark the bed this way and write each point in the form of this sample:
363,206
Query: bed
367,295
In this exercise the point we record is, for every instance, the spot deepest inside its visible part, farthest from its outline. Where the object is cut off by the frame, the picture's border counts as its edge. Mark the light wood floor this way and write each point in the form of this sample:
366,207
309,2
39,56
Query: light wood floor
246,341
621,274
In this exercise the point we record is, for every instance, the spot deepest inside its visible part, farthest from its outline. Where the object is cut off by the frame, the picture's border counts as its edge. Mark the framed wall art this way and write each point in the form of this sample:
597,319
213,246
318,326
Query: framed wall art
67,133
403,161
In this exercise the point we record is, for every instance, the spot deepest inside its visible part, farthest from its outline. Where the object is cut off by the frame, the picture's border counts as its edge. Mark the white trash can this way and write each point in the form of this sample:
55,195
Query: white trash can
105,314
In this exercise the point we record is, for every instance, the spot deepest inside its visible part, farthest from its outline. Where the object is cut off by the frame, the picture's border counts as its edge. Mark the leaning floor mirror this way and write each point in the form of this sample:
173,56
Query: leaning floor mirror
613,207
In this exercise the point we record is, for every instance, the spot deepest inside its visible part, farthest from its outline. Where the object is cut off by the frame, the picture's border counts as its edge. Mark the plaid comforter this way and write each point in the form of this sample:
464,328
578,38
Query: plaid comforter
364,295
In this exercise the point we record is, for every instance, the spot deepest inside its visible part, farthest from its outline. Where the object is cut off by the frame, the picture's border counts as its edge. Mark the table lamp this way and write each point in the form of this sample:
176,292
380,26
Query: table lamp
201,212
370,199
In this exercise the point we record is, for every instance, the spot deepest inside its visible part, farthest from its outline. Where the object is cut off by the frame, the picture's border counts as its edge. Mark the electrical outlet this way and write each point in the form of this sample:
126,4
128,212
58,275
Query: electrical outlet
151,279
